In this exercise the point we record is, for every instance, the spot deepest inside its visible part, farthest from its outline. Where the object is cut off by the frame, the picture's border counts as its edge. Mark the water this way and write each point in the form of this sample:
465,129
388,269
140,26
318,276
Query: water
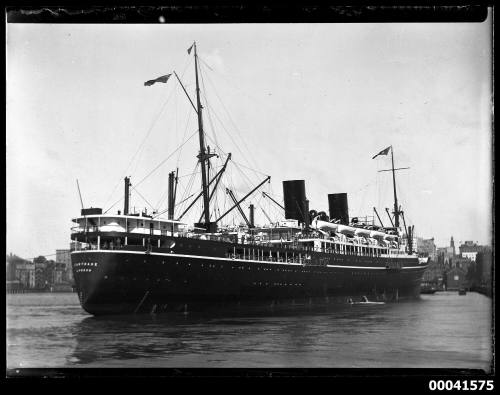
443,330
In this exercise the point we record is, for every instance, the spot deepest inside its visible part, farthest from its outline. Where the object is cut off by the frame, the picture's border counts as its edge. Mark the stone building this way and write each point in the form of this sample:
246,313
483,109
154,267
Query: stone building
41,271
461,263
63,258
426,247
21,271
25,274
469,249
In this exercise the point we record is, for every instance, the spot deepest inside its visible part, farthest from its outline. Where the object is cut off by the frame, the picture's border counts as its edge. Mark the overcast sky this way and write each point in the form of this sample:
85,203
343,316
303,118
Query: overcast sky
293,101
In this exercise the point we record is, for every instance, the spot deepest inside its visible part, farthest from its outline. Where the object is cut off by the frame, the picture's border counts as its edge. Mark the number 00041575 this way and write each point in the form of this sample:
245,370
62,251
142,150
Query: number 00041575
461,385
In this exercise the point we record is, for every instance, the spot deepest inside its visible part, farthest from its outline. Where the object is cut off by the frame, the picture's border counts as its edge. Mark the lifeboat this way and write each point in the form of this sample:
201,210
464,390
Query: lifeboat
323,225
377,234
346,230
390,237
362,232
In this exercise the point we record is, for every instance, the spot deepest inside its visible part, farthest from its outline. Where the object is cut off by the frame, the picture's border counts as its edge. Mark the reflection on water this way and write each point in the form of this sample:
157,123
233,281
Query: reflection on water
439,331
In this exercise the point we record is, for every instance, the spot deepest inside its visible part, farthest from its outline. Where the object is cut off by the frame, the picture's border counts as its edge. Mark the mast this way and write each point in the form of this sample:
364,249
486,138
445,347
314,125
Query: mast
201,156
396,211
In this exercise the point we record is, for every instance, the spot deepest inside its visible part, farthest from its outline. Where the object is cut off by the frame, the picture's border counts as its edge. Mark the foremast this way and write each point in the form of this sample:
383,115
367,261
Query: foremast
202,156
397,211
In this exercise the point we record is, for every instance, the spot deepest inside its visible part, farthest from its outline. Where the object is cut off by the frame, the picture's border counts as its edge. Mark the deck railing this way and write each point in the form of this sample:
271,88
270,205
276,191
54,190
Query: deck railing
331,246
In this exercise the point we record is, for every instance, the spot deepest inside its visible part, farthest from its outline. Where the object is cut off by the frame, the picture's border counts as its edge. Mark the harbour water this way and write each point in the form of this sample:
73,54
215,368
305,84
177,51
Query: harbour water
444,330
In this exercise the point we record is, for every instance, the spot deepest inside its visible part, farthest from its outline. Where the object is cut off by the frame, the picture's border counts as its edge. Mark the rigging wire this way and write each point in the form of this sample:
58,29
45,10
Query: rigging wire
152,171
179,155
232,121
162,199
228,114
153,124
209,116
150,205
210,109
163,161
164,211
245,179
249,168
140,146
184,135
215,140
189,185
190,174
175,105
227,132
165,194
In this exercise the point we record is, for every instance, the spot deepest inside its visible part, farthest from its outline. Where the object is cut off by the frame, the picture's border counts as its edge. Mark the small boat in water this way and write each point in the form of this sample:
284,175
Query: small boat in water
364,300
428,289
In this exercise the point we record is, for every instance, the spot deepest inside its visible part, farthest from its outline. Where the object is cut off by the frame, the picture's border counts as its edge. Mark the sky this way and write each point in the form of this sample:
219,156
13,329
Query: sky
293,101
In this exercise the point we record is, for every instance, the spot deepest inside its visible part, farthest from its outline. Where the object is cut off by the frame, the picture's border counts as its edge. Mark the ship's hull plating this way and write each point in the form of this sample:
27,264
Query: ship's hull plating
122,282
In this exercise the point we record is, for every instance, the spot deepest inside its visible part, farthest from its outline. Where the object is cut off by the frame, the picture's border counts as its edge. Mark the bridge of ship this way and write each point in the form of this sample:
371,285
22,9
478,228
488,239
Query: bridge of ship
101,231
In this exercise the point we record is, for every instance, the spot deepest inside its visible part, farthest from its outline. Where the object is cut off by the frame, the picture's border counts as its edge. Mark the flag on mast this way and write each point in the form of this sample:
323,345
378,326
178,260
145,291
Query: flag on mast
190,48
383,152
163,78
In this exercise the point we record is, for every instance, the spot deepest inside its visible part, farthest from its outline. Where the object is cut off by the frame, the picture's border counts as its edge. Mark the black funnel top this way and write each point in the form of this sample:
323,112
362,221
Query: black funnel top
337,204
294,195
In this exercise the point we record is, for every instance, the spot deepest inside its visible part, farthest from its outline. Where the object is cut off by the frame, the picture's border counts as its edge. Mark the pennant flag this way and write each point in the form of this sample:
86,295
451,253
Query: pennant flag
163,78
383,152
190,48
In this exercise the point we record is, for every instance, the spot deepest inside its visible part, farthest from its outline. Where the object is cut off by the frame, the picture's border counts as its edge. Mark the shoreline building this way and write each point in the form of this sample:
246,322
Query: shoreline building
426,247
20,272
469,249
63,259
456,279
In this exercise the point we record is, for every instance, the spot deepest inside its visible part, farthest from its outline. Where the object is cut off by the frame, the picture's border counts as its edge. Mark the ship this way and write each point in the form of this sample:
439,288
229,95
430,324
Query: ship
129,263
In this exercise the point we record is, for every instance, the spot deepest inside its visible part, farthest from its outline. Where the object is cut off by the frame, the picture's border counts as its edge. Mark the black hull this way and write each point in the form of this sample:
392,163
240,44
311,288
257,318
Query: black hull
124,282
